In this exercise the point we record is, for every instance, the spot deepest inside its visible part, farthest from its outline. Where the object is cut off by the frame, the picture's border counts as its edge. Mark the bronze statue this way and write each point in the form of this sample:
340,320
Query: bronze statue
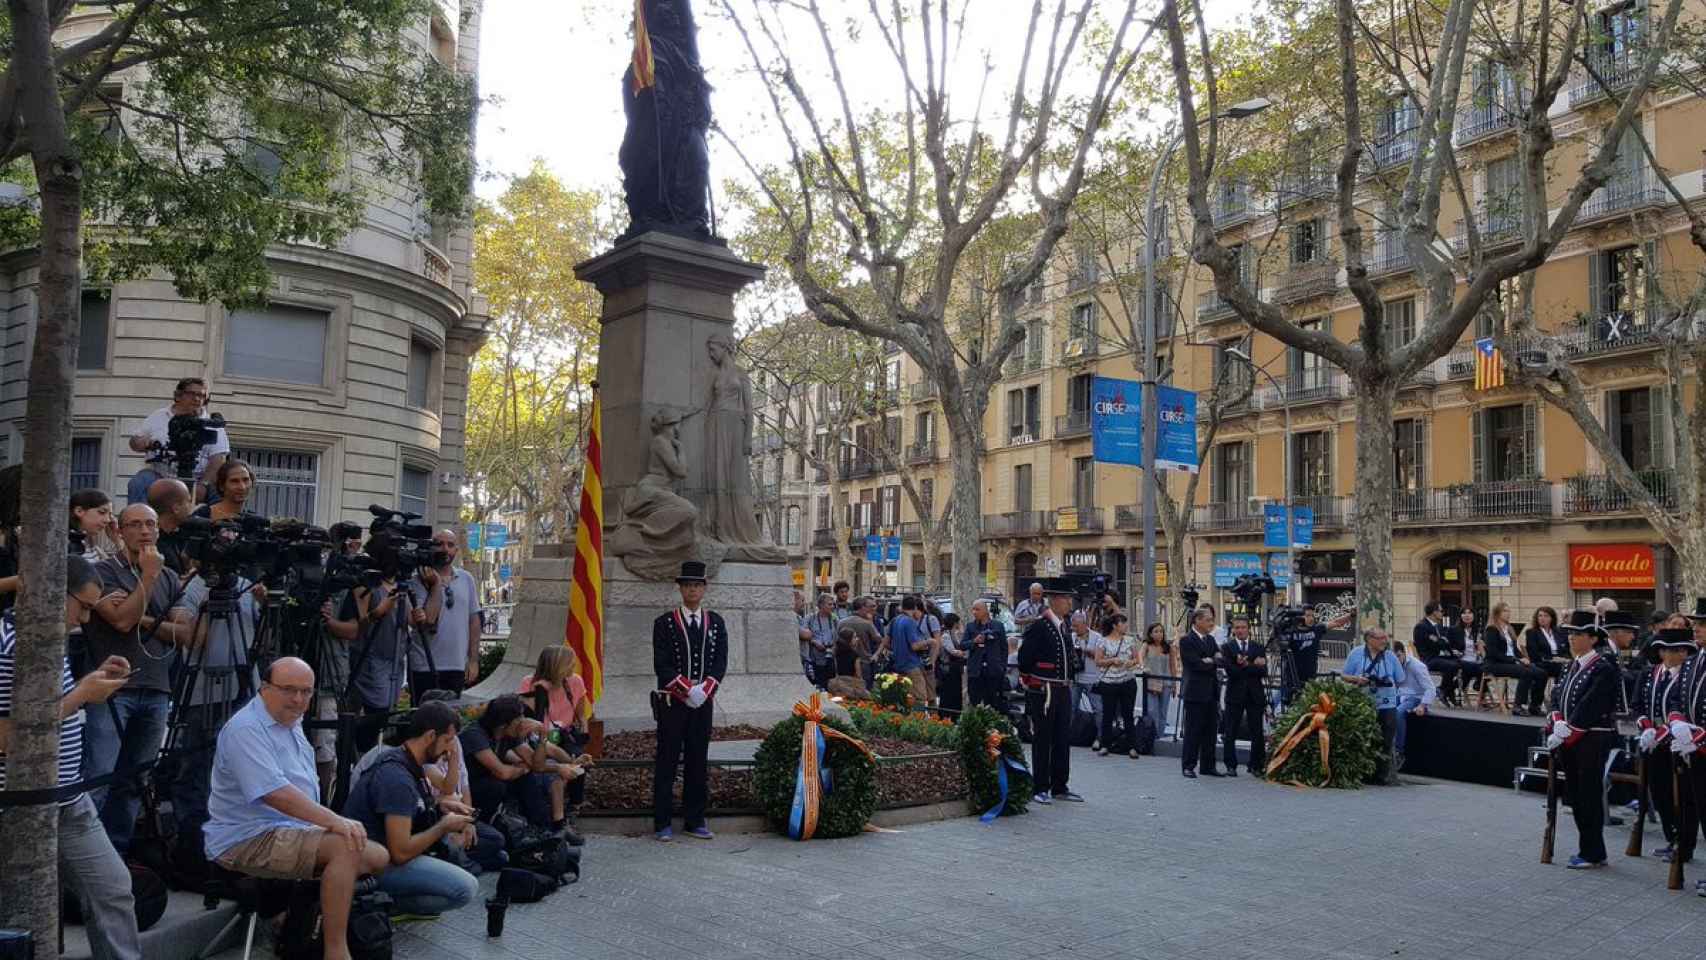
666,167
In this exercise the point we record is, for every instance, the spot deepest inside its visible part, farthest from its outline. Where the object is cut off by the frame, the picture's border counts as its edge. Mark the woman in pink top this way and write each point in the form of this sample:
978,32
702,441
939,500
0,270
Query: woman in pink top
566,691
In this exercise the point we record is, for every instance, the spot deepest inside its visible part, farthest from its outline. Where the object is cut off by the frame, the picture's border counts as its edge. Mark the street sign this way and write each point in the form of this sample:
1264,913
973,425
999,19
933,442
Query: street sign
873,549
495,537
1500,569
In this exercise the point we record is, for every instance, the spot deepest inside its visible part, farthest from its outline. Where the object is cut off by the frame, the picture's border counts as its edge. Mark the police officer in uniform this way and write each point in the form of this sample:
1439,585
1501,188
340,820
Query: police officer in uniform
1659,696
1580,732
1047,665
690,652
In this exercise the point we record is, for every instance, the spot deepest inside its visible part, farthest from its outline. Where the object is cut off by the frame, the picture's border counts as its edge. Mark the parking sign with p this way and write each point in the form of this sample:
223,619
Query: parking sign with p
1499,568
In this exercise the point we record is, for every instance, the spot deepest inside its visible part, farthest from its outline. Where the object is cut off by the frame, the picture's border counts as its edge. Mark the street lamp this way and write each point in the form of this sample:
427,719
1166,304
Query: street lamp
1285,406
1147,484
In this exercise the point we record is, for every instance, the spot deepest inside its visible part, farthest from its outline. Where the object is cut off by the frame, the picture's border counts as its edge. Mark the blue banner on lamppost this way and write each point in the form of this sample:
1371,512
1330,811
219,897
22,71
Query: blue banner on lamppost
1302,526
1176,436
891,549
1273,525
873,549
1116,428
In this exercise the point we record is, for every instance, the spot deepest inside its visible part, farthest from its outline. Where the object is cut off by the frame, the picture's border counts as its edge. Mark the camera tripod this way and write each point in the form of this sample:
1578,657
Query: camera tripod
350,708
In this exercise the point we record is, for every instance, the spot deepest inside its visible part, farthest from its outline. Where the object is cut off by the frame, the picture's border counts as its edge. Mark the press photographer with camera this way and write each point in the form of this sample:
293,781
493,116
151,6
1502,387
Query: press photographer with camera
379,654
340,633
131,621
154,438
449,616
1374,668
1300,638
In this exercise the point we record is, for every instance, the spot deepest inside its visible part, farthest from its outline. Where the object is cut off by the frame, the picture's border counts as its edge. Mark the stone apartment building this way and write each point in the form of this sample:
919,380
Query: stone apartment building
347,389
1476,470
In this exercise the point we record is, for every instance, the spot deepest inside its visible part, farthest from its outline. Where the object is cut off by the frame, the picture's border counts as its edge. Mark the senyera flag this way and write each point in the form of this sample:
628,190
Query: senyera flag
586,588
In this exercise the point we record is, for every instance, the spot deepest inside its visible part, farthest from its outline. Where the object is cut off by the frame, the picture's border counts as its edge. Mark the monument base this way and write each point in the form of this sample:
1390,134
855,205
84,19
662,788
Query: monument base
755,601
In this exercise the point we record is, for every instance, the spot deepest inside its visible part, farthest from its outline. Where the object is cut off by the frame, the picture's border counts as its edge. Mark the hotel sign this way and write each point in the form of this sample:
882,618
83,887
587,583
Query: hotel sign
1612,566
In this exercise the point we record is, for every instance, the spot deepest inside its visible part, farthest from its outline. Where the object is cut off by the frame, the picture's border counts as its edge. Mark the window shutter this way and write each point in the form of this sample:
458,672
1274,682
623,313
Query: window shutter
1328,441
1530,441
1420,438
1652,292
1249,477
1608,418
1596,285
1478,443
1658,409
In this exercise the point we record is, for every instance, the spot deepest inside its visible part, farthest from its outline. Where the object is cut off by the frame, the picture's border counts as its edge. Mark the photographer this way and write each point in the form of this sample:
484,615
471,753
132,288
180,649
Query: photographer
379,656
395,802
1301,642
346,544
1375,669
233,482
131,622
171,500
189,398
449,618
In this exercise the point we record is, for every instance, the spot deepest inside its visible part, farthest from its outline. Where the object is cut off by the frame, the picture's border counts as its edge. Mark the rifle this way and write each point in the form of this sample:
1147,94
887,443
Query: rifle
1679,769
1641,798
1551,806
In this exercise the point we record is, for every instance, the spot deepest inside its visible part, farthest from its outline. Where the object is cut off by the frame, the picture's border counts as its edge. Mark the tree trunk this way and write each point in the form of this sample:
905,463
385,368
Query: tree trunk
838,531
29,886
1691,563
1373,515
965,527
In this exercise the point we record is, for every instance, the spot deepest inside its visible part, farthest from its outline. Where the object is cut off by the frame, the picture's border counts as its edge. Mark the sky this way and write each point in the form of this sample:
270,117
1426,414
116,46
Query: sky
554,67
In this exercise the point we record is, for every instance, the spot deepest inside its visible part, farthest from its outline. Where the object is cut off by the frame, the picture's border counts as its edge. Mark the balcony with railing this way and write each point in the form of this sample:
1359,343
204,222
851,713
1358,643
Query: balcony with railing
823,538
1299,387
1495,229
1073,423
1227,517
1232,206
922,451
1306,181
1028,361
1624,194
1600,493
1496,500
1331,513
1460,363
1389,258
1478,121
912,532
1210,307
1020,523
1607,71
921,391
1080,347
1398,147
863,465
1305,281
1615,332
1129,516
1070,521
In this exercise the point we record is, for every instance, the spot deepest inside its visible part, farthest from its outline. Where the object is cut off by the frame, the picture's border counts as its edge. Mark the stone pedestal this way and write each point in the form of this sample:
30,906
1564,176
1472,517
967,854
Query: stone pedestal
754,600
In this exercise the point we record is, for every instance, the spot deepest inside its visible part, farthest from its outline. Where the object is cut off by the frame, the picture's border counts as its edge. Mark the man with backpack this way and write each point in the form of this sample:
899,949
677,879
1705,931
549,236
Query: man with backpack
394,801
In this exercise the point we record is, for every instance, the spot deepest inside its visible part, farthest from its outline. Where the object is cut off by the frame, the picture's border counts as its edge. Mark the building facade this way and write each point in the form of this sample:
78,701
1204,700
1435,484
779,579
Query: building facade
348,388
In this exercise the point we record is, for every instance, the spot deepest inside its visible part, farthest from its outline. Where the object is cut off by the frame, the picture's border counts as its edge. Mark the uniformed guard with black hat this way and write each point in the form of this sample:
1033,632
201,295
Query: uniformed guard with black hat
1698,620
1618,642
690,652
1046,669
1686,735
1580,732
1659,697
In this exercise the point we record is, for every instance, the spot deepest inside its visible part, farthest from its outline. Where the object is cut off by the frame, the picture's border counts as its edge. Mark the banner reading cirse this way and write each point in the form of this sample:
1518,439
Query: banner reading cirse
1611,566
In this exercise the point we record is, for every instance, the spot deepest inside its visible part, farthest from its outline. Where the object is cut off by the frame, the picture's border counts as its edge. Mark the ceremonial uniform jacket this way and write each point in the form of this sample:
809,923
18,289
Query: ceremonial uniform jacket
1692,704
682,657
1659,695
1045,653
1587,696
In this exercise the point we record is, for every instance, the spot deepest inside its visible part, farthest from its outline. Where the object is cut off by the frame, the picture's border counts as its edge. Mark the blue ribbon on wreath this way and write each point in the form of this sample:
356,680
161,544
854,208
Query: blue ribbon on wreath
1002,763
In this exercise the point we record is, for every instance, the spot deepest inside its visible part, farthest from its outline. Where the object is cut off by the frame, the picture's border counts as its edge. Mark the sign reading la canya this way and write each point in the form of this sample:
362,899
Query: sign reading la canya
1612,566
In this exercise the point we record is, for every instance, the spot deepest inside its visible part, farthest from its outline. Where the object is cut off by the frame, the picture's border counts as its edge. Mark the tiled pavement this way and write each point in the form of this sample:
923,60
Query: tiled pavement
1153,866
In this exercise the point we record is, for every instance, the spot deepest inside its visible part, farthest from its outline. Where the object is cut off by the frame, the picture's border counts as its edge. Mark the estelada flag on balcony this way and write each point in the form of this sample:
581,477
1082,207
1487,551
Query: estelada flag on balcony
644,69
1489,365
586,587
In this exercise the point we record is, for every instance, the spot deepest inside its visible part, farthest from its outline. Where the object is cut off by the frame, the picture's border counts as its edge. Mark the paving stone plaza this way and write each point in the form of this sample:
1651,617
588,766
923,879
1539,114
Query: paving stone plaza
1153,866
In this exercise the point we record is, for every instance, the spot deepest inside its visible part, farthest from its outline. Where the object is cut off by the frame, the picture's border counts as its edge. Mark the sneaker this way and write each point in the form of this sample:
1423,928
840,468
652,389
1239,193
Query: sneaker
1101,751
701,832
1135,755
1700,887
1069,797
1042,798
1663,853
665,835
1097,745
1398,760
1577,863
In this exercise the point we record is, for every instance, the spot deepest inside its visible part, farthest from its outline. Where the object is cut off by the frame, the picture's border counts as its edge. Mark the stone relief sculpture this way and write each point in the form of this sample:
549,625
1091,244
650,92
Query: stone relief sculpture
658,528
730,514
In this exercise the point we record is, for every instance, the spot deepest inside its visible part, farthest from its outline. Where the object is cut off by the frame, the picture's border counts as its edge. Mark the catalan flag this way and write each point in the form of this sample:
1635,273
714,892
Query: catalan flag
1489,365
644,68
586,589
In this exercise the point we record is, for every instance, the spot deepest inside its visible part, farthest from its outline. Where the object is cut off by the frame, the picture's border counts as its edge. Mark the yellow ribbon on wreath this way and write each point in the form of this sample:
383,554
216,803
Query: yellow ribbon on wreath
1315,721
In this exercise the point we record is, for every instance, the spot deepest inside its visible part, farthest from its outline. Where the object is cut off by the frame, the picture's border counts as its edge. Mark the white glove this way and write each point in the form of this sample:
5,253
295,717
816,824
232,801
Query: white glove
1684,745
696,696
1681,730
1560,729
1554,740
1648,737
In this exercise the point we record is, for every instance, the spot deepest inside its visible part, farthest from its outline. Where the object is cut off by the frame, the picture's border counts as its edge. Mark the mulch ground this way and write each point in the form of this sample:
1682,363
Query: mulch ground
629,789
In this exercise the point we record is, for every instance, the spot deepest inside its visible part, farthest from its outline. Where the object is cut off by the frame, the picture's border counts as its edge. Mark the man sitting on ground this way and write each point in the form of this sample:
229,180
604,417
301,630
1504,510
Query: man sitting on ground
509,763
394,801
264,818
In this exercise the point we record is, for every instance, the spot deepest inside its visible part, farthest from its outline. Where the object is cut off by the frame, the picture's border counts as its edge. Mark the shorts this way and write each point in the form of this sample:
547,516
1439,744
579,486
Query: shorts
282,853
325,740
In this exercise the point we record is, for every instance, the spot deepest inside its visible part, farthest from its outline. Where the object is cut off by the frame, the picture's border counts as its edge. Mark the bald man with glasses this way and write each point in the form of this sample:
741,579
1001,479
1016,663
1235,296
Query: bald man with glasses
447,611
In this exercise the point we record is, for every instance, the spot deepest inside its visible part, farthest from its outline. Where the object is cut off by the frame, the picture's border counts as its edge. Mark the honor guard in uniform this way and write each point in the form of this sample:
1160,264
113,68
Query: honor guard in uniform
1686,735
1618,642
1580,733
1046,669
690,652
1660,696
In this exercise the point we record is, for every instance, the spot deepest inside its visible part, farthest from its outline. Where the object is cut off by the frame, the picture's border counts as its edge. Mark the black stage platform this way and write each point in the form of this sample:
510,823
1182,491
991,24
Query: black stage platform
1469,746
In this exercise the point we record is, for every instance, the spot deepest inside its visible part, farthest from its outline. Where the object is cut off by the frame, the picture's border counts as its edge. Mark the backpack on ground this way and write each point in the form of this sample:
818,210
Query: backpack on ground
516,885
551,856
1144,734
370,930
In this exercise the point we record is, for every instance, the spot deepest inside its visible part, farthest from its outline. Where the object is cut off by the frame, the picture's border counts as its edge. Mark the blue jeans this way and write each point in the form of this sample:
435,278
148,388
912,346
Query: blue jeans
1095,702
428,885
1155,704
1405,705
141,716
137,490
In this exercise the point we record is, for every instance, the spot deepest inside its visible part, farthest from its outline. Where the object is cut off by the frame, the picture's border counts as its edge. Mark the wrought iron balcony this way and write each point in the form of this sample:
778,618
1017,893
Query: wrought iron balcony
1080,347
1473,502
823,538
1306,281
912,532
1399,147
1389,259
1616,71
1331,513
863,465
1029,362
1075,423
1480,121
1020,523
1495,230
1211,307
1075,520
1307,183
1129,516
1599,493
1300,387
1232,206
1227,517
922,451
1623,195
921,390
1460,363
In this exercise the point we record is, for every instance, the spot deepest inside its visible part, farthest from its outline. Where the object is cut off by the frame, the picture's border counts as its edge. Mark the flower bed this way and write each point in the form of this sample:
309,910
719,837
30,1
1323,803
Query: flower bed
873,719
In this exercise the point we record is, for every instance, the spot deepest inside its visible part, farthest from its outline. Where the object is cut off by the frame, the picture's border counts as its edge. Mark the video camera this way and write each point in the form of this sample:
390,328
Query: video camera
399,546
186,435
1285,620
1250,588
242,543
1190,594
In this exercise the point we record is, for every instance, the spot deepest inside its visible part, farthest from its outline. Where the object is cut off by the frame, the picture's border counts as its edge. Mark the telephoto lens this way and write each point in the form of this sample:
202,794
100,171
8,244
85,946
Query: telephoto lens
495,908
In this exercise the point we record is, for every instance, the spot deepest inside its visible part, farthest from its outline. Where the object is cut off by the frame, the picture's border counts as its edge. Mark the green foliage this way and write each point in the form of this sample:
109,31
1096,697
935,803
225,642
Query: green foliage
1355,741
974,729
492,654
874,720
894,691
844,811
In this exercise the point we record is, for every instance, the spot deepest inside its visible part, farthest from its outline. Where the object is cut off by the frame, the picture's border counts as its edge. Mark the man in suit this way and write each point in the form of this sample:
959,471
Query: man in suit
1433,648
1246,664
1580,732
1197,656
1046,668
690,652
985,643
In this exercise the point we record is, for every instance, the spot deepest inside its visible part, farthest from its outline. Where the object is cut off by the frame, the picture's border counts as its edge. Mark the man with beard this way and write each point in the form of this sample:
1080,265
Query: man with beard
394,801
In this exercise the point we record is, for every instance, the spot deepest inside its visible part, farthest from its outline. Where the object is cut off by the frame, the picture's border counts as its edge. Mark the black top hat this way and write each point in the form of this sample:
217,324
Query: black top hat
1699,609
1581,621
1674,638
692,571
1620,619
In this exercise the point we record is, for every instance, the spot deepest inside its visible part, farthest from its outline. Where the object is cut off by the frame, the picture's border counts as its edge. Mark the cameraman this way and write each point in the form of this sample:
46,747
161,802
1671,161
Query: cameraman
1301,645
346,543
449,618
189,398
173,503
1375,669
233,482
382,639
131,622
